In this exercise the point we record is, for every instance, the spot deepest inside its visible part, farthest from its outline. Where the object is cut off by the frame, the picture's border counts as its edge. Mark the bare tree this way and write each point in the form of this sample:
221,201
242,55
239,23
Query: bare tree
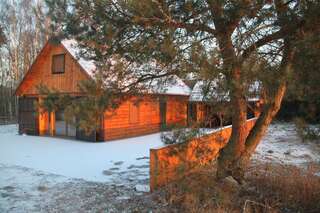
25,26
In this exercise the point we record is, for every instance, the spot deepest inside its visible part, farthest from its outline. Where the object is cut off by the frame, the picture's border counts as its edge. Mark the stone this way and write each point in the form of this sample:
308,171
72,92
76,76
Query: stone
230,184
142,188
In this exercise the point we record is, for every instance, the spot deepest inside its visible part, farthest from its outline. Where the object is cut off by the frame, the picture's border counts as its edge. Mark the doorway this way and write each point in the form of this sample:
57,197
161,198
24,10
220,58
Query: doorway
62,127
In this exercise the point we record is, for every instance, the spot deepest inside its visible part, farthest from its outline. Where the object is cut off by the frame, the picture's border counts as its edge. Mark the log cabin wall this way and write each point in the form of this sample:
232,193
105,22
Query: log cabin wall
41,73
177,110
141,116
201,112
132,118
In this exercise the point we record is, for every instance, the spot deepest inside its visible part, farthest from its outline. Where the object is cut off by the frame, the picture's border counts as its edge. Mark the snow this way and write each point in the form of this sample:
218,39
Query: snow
282,145
72,46
205,90
126,160
173,86
29,190
101,162
25,185
142,188
43,174
254,91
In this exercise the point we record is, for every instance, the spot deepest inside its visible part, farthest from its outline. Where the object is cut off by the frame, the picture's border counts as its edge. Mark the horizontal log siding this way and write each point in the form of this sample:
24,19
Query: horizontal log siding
40,73
177,110
117,123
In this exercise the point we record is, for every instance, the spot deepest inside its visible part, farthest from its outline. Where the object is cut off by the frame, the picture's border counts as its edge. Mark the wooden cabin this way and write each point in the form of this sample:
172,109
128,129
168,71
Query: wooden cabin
58,67
207,99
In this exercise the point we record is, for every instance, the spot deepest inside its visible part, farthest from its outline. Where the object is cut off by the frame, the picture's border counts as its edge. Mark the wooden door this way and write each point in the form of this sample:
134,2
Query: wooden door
28,116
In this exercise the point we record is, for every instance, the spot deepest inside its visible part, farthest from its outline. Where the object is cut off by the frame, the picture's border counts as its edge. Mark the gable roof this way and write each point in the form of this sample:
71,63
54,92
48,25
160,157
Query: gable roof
173,86
205,90
72,47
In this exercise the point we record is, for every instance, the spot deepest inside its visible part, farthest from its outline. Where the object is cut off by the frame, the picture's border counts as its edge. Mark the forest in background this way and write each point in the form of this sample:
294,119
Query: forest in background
24,28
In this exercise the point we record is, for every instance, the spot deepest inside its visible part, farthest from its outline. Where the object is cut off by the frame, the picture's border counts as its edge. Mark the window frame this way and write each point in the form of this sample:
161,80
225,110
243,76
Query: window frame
64,63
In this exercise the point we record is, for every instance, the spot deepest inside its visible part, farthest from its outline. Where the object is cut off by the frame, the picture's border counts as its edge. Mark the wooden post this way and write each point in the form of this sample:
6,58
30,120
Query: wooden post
52,123
43,119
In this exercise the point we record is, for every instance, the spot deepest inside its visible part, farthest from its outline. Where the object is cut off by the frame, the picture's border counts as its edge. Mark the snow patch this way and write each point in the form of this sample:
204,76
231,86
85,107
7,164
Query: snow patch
73,48
142,188
282,144
113,162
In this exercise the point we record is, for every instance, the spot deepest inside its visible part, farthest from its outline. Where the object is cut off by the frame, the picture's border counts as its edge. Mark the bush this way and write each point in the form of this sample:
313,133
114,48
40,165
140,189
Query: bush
179,135
306,131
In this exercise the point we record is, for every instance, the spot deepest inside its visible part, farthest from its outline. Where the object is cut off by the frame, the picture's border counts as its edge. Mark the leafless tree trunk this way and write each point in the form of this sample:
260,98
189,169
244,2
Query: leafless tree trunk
25,27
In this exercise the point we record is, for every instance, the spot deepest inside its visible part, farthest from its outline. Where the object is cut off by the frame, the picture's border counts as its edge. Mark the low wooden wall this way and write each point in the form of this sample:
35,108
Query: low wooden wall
173,162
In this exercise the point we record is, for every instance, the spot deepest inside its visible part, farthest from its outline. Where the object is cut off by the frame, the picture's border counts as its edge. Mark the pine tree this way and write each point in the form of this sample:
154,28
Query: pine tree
203,38
2,36
87,109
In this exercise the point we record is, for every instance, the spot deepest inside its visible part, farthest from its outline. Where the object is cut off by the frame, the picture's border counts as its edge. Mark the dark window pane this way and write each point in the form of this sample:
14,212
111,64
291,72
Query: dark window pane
58,63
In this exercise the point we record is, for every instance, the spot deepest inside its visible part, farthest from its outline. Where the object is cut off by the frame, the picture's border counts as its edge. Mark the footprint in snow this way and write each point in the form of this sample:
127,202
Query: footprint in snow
142,158
114,169
138,167
107,172
8,188
118,163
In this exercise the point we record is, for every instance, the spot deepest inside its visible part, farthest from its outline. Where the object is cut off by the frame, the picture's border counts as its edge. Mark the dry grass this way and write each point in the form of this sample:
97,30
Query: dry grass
269,189
287,187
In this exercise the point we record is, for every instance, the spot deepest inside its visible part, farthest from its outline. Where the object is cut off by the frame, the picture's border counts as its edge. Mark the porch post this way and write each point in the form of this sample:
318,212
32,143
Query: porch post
43,119
52,123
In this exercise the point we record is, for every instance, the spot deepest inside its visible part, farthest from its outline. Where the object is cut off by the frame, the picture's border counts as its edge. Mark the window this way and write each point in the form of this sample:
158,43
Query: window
133,113
58,64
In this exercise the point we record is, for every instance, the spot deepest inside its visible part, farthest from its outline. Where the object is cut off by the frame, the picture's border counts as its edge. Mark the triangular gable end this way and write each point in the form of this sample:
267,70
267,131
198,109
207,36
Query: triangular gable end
40,72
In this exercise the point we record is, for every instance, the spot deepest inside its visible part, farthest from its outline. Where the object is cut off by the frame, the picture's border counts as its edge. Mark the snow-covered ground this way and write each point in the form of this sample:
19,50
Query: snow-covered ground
118,161
282,145
37,173
43,174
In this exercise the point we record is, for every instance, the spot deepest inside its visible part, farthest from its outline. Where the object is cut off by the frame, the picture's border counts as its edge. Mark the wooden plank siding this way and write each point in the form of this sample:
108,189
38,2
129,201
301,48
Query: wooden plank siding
134,117
41,73
117,124
177,110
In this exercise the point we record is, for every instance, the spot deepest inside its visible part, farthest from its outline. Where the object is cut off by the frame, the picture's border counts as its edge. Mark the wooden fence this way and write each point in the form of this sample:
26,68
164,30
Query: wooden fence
172,162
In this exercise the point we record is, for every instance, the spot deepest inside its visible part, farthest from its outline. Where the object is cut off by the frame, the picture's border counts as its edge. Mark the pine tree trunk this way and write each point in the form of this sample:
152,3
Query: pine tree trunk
227,161
235,157
270,109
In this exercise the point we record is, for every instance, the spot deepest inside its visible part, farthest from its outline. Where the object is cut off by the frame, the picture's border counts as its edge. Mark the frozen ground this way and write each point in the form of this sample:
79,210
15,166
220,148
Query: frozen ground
41,174
282,145
116,162
34,170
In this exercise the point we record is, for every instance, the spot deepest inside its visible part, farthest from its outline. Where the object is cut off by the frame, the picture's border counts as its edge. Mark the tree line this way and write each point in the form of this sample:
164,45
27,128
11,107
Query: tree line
24,28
